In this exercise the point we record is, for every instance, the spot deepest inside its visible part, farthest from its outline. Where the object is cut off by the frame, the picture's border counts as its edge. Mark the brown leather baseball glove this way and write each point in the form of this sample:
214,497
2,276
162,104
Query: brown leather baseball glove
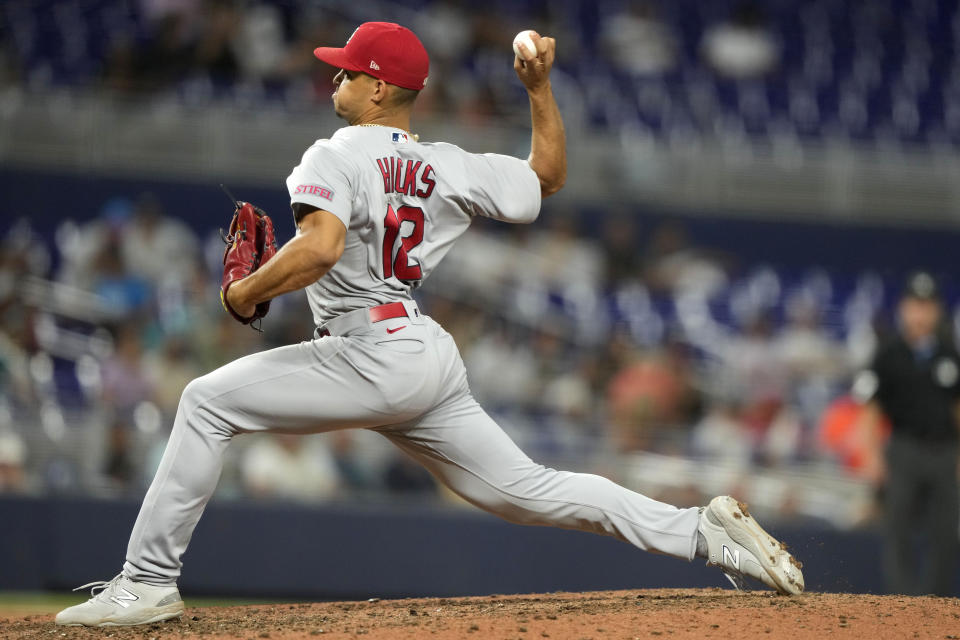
250,244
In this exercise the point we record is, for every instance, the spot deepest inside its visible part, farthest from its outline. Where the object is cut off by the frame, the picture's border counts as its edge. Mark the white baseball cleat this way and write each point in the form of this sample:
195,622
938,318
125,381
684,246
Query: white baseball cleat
122,602
737,544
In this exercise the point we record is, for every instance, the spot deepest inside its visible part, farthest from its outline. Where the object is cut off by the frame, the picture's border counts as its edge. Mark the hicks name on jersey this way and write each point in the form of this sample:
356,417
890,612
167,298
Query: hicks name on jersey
410,177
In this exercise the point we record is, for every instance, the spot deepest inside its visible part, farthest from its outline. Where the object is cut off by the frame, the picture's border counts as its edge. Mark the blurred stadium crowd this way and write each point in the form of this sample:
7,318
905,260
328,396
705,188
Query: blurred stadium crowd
588,350
610,350
883,72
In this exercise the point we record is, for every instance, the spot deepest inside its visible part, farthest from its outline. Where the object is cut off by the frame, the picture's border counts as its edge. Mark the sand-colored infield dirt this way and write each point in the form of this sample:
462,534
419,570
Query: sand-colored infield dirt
662,613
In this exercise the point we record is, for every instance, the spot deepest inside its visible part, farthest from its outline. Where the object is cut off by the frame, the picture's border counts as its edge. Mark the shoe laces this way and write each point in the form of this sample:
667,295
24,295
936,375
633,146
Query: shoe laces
99,586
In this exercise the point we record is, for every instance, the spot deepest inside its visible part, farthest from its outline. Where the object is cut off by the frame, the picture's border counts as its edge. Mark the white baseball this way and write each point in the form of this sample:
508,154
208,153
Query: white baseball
524,37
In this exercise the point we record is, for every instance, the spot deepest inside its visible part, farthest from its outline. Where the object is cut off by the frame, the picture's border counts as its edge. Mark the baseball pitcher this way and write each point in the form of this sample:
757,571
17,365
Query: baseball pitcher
376,210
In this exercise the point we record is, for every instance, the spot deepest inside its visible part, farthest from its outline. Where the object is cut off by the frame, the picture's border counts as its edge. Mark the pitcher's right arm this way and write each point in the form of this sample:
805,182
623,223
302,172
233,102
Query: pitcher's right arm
548,153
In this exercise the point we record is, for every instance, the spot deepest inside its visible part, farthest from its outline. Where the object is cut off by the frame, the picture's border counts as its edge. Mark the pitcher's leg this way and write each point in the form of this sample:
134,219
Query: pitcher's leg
464,448
305,388
184,482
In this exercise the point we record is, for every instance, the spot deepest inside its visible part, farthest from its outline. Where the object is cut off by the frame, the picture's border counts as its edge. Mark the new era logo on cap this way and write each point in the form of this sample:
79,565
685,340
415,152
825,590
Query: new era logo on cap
383,50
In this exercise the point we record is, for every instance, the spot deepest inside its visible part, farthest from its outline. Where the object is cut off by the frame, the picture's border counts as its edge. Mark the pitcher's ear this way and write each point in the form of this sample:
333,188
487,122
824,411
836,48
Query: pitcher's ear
380,92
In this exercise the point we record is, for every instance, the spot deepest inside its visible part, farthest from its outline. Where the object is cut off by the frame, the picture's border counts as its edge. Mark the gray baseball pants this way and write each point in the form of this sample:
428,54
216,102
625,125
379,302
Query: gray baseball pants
408,384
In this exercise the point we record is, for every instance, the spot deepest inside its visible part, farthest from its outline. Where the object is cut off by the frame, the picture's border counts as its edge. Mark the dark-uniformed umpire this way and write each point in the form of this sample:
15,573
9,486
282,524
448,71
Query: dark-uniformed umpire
913,381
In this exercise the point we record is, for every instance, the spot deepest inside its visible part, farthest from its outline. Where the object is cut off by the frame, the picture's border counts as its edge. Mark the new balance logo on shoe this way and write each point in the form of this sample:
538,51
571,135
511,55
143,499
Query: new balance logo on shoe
124,597
115,605
741,549
731,559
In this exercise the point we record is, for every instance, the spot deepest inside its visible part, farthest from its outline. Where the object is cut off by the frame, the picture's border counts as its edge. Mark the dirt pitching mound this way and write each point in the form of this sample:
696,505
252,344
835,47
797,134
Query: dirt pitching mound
665,613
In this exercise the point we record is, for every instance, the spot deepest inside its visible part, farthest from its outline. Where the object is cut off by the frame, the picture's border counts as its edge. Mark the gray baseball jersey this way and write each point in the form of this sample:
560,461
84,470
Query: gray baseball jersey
386,368
403,204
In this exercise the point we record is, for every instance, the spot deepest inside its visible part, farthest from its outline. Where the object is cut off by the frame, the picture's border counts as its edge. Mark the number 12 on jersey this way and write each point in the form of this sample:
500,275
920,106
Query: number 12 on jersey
400,266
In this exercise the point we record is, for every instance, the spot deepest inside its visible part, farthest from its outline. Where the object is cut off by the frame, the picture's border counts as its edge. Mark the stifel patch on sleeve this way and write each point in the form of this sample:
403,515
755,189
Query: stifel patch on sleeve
316,190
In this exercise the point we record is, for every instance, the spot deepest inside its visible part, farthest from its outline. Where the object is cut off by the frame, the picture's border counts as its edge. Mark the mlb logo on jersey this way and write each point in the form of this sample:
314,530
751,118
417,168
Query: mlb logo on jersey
400,137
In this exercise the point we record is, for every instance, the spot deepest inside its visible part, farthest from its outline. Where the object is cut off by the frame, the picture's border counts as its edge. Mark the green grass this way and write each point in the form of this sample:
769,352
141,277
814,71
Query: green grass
40,602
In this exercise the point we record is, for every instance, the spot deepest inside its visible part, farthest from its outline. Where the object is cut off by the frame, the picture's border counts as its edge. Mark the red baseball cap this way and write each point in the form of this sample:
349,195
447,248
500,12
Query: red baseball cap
383,50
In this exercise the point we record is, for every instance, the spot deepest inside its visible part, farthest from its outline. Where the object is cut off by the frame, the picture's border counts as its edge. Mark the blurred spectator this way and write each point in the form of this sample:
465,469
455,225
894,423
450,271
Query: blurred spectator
840,435
565,256
93,258
621,250
9,71
220,20
290,466
782,439
637,41
13,457
575,391
14,369
79,245
446,34
120,66
804,346
753,370
154,10
405,475
209,40
652,397
126,381
119,467
312,82
743,46
166,57
473,91
259,44
722,436
24,253
362,459
550,353
673,264
222,340
21,255
501,372
172,367
19,342
156,247
467,271
123,292
814,361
